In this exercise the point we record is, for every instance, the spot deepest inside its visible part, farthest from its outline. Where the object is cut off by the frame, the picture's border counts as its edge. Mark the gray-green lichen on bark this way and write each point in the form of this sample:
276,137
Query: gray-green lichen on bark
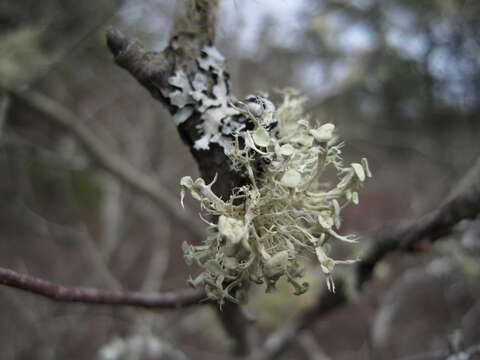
153,70
283,212
269,206
189,79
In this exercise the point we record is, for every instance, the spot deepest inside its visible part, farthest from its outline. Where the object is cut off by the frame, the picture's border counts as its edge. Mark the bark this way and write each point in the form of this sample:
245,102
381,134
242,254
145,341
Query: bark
193,32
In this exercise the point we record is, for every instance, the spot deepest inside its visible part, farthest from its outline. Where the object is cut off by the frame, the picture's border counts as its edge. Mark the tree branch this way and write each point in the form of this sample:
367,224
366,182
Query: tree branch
193,37
109,160
60,293
464,203
235,323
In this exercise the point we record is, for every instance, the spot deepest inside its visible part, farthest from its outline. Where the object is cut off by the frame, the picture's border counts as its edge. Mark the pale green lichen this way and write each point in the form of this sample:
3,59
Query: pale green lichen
286,212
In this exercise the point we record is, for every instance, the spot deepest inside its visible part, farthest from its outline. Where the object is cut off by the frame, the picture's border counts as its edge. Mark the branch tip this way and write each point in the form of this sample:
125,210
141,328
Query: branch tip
116,41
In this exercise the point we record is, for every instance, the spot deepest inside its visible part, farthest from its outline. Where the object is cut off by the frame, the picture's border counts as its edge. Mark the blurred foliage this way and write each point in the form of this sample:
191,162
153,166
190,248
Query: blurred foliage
22,58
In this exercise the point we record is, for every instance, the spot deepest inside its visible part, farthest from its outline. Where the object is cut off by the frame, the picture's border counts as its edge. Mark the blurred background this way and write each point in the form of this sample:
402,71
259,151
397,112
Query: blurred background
399,78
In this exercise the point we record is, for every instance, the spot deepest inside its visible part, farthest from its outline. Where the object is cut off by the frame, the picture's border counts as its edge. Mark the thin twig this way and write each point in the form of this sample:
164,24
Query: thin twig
60,293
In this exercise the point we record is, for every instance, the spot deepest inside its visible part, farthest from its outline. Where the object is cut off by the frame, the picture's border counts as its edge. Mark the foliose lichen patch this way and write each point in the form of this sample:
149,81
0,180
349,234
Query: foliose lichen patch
208,93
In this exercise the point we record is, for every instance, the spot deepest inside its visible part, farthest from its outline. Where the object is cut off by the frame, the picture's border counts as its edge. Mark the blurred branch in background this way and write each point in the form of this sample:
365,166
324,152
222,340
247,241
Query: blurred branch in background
406,238
468,354
463,204
110,160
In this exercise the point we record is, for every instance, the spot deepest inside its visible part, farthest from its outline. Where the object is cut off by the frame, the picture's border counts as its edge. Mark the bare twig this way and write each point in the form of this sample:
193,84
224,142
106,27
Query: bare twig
108,159
60,293
463,204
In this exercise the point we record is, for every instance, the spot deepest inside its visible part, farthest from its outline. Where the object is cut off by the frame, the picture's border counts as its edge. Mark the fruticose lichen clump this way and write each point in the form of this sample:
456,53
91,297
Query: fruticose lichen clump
285,212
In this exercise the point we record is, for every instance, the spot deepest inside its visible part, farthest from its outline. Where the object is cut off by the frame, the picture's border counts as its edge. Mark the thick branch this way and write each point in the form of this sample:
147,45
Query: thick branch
109,160
193,36
60,293
153,70
463,204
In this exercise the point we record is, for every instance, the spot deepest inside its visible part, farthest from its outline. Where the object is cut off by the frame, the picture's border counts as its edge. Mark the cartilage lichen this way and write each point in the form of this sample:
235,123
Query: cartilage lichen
285,212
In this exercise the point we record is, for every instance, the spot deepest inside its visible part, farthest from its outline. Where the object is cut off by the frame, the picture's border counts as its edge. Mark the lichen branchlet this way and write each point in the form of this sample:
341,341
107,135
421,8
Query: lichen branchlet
266,227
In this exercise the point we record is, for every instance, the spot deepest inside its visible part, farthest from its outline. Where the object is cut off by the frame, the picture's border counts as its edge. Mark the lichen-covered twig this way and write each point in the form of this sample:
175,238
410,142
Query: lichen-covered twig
109,159
71,294
463,204
189,79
